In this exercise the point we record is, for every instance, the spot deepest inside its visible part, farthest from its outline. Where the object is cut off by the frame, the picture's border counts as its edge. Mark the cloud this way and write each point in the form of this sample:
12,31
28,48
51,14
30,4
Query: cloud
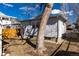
23,8
69,12
7,4
13,16
37,6
30,11
32,17
56,11
26,8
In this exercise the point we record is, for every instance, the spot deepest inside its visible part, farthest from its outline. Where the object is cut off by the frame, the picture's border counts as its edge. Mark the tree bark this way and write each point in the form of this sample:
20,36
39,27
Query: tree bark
40,36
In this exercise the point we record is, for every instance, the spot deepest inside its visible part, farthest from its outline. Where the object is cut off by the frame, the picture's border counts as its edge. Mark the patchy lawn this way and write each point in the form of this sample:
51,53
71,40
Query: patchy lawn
28,48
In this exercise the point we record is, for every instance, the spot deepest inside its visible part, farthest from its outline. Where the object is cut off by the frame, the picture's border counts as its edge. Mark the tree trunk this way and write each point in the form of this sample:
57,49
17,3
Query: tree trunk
40,36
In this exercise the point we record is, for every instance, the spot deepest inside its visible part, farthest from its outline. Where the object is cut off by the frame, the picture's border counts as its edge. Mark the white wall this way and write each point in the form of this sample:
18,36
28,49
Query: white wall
4,22
64,27
55,27
61,28
51,28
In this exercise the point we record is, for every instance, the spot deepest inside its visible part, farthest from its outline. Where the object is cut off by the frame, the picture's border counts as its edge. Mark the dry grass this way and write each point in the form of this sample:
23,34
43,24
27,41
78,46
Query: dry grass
23,48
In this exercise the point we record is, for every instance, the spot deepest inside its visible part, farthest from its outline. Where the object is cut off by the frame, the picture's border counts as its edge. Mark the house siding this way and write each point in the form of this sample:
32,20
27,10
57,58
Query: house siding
55,27
51,28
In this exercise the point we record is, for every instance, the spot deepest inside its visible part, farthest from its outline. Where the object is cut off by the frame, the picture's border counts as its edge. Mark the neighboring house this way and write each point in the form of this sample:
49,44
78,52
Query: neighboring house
56,25
70,28
4,19
15,23
77,23
7,20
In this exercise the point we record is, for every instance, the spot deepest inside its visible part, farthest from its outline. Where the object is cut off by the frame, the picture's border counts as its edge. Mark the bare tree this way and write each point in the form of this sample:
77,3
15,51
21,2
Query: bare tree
44,19
75,8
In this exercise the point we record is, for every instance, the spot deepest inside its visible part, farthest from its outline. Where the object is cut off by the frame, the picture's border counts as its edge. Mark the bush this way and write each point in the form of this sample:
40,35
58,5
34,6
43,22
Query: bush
9,33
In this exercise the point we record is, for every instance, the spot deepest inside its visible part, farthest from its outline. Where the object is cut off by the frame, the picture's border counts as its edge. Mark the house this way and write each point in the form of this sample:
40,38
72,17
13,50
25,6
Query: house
77,23
56,26
6,20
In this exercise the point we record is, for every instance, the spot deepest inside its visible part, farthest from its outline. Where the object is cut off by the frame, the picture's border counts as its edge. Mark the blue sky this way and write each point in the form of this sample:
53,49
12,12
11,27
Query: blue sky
29,10
20,10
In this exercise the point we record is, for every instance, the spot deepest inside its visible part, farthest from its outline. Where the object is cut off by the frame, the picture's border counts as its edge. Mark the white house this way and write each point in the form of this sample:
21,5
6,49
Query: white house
56,26
4,21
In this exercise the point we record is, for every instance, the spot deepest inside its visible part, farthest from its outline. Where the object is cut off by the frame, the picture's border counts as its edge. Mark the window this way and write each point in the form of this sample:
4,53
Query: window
3,18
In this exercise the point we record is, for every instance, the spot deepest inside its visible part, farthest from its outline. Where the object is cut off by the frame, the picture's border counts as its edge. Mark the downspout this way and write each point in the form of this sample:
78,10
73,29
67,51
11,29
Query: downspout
57,30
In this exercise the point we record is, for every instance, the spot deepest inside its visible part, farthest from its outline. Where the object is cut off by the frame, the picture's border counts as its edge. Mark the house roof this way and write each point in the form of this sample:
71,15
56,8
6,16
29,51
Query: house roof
40,16
4,15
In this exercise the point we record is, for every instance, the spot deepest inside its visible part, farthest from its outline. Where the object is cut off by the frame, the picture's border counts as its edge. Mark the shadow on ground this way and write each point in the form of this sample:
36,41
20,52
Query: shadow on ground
72,37
4,43
28,40
66,53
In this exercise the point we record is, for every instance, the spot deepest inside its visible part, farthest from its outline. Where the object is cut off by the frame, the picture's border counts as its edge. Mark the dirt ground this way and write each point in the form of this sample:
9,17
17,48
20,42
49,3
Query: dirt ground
28,48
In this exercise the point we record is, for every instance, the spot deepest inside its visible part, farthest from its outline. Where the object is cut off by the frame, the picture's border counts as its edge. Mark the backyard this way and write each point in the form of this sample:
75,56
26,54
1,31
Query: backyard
27,47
